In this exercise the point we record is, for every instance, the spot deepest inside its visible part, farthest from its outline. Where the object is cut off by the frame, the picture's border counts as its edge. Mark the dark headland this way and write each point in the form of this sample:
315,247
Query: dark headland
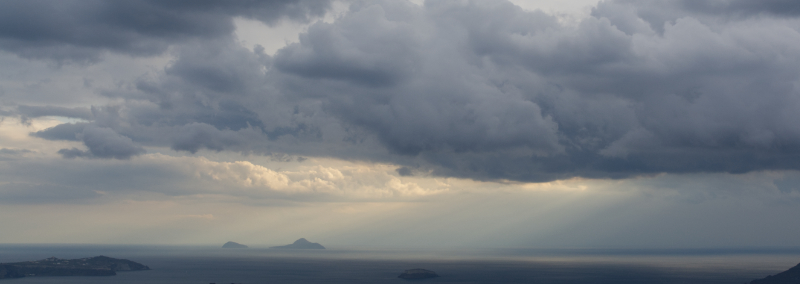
90,266
791,276
234,245
302,243
418,273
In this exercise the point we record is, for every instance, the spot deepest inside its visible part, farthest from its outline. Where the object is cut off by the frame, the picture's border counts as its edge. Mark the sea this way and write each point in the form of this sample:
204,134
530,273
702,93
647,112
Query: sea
203,265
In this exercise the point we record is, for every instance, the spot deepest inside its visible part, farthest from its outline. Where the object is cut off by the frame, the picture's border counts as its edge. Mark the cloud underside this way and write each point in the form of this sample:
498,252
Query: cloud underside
482,90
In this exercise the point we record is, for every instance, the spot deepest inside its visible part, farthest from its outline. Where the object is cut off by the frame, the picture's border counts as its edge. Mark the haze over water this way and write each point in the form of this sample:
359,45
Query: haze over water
179,265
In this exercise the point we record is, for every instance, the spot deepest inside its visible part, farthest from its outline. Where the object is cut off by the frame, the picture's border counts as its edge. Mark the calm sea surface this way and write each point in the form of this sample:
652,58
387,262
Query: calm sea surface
180,265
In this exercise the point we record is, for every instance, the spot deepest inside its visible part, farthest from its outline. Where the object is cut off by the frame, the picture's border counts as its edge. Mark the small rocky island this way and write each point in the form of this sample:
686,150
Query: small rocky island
302,243
791,276
90,266
418,273
234,245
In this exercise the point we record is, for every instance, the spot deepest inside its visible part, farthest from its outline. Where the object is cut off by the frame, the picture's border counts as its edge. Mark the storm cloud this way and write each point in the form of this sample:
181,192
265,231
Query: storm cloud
81,30
498,92
478,89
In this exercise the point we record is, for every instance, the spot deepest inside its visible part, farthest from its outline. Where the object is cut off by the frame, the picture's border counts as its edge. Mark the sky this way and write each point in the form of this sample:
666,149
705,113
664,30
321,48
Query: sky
408,124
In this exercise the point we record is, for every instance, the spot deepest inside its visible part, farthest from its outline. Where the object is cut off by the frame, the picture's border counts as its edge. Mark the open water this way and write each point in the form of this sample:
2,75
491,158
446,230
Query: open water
179,265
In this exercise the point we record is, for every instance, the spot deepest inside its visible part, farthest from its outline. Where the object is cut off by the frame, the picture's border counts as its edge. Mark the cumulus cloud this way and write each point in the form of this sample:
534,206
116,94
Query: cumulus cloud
483,90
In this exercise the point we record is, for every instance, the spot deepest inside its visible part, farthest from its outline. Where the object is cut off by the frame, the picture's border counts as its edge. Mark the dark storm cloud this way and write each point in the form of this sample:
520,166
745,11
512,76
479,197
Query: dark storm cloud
81,30
736,8
213,96
660,12
745,7
497,92
486,90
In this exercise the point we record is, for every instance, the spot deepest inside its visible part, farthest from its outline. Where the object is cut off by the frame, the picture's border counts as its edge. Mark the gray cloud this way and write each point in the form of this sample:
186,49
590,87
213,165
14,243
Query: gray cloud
82,180
39,111
659,13
82,30
7,154
404,171
486,90
16,193
193,137
775,7
65,131
74,153
106,143
546,101
102,142
7,151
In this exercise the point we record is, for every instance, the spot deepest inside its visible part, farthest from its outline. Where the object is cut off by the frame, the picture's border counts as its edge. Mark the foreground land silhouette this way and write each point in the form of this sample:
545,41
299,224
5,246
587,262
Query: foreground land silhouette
791,276
90,266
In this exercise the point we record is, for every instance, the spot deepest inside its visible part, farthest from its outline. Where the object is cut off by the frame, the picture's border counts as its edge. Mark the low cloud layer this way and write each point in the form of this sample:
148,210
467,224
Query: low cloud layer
482,90
39,111
80,181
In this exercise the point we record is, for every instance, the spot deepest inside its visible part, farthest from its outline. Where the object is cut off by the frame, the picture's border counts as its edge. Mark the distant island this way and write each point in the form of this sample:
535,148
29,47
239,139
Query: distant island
302,243
90,266
418,273
791,276
234,245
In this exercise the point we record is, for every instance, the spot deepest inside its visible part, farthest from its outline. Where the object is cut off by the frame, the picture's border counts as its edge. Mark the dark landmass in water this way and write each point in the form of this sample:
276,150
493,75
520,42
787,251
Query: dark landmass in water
302,243
417,273
90,266
791,276
234,245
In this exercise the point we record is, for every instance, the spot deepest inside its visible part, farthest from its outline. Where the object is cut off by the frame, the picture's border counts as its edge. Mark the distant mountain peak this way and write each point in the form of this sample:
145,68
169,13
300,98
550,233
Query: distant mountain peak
301,243
233,245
